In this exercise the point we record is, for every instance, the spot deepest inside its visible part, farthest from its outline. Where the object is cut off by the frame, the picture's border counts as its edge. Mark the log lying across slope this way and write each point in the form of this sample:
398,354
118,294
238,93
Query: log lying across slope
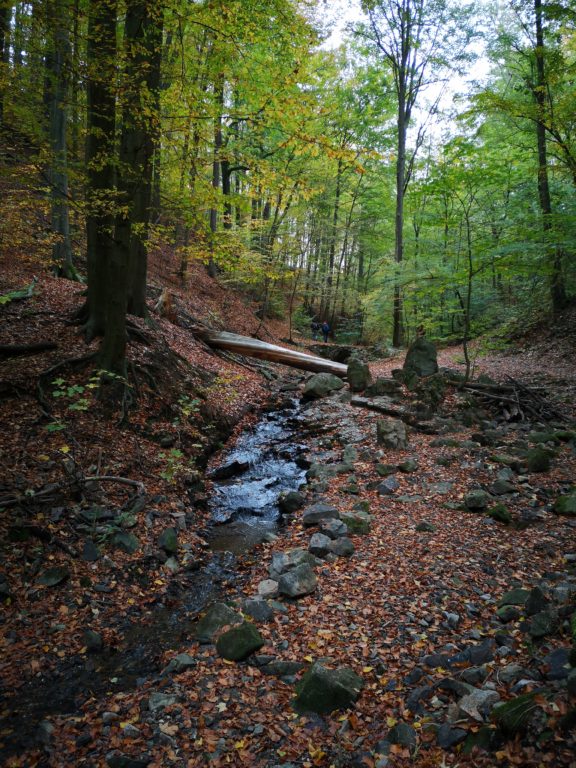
244,345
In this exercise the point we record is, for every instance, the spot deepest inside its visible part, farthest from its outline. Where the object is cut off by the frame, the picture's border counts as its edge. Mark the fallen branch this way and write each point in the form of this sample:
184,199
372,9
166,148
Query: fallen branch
113,479
14,350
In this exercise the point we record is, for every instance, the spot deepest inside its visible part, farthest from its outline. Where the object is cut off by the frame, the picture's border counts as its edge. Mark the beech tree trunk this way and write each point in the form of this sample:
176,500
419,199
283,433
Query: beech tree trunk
140,123
557,288
100,169
57,61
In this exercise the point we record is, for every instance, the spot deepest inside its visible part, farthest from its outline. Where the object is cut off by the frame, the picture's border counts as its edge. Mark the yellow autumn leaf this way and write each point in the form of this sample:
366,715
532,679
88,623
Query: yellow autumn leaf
309,658
65,449
391,722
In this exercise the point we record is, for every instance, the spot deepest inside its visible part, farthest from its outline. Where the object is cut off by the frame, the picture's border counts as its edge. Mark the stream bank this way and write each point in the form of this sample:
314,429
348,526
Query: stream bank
264,462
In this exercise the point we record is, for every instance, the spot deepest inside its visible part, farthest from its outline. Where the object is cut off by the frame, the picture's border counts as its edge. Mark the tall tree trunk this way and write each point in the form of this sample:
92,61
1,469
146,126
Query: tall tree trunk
5,16
397,326
100,152
216,169
140,128
57,65
557,288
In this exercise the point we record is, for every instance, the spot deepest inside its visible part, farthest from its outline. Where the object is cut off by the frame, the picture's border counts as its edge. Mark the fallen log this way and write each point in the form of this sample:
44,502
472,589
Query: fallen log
244,345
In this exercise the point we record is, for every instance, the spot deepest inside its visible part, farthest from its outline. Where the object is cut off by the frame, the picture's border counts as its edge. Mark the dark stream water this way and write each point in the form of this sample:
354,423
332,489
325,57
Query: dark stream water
265,462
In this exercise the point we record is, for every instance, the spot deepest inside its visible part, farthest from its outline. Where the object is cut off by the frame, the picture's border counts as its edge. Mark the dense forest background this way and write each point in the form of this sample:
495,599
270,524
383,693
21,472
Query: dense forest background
419,175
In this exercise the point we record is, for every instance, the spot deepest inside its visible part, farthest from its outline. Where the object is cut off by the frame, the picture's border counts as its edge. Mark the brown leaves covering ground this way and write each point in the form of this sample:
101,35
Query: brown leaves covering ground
378,612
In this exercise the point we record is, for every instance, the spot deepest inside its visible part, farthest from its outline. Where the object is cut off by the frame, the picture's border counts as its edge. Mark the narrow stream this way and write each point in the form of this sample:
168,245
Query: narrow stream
266,462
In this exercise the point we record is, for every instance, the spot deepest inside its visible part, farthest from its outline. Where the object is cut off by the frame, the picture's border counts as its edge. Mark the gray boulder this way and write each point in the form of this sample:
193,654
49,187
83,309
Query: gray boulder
217,616
566,505
342,547
320,385
168,541
333,528
323,690
258,609
125,541
315,513
477,500
421,358
383,387
391,433
180,663
298,582
478,704
239,642
358,375
282,562
319,545
290,502
357,522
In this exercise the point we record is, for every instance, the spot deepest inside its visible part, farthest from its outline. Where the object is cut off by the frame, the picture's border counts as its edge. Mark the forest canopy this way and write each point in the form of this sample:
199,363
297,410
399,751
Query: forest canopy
380,183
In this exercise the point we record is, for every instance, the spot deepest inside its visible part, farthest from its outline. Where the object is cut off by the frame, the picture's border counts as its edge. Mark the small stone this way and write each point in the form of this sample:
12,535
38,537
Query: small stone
388,487
125,541
316,512
542,624
51,577
404,735
517,596
93,641
319,545
268,588
168,540
110,717
449,737
408,466
259,610
90,552
537,601
159,700
180,663
425,527
290,502
333,528
45,732
501,487
130,731
342,547
478,704
476,500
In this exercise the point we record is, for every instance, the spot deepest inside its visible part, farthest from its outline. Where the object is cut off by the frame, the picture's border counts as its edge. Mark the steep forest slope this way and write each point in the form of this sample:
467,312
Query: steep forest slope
94,608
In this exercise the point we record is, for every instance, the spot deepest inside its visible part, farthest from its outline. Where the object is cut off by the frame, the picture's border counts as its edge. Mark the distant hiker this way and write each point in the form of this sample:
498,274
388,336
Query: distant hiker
315,327
325,330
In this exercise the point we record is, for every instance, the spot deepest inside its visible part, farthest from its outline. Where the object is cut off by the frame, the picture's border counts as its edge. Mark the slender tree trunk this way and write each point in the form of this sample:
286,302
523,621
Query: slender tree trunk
57,63
5,16
397,325
100,152
557,288
140,126
216,169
